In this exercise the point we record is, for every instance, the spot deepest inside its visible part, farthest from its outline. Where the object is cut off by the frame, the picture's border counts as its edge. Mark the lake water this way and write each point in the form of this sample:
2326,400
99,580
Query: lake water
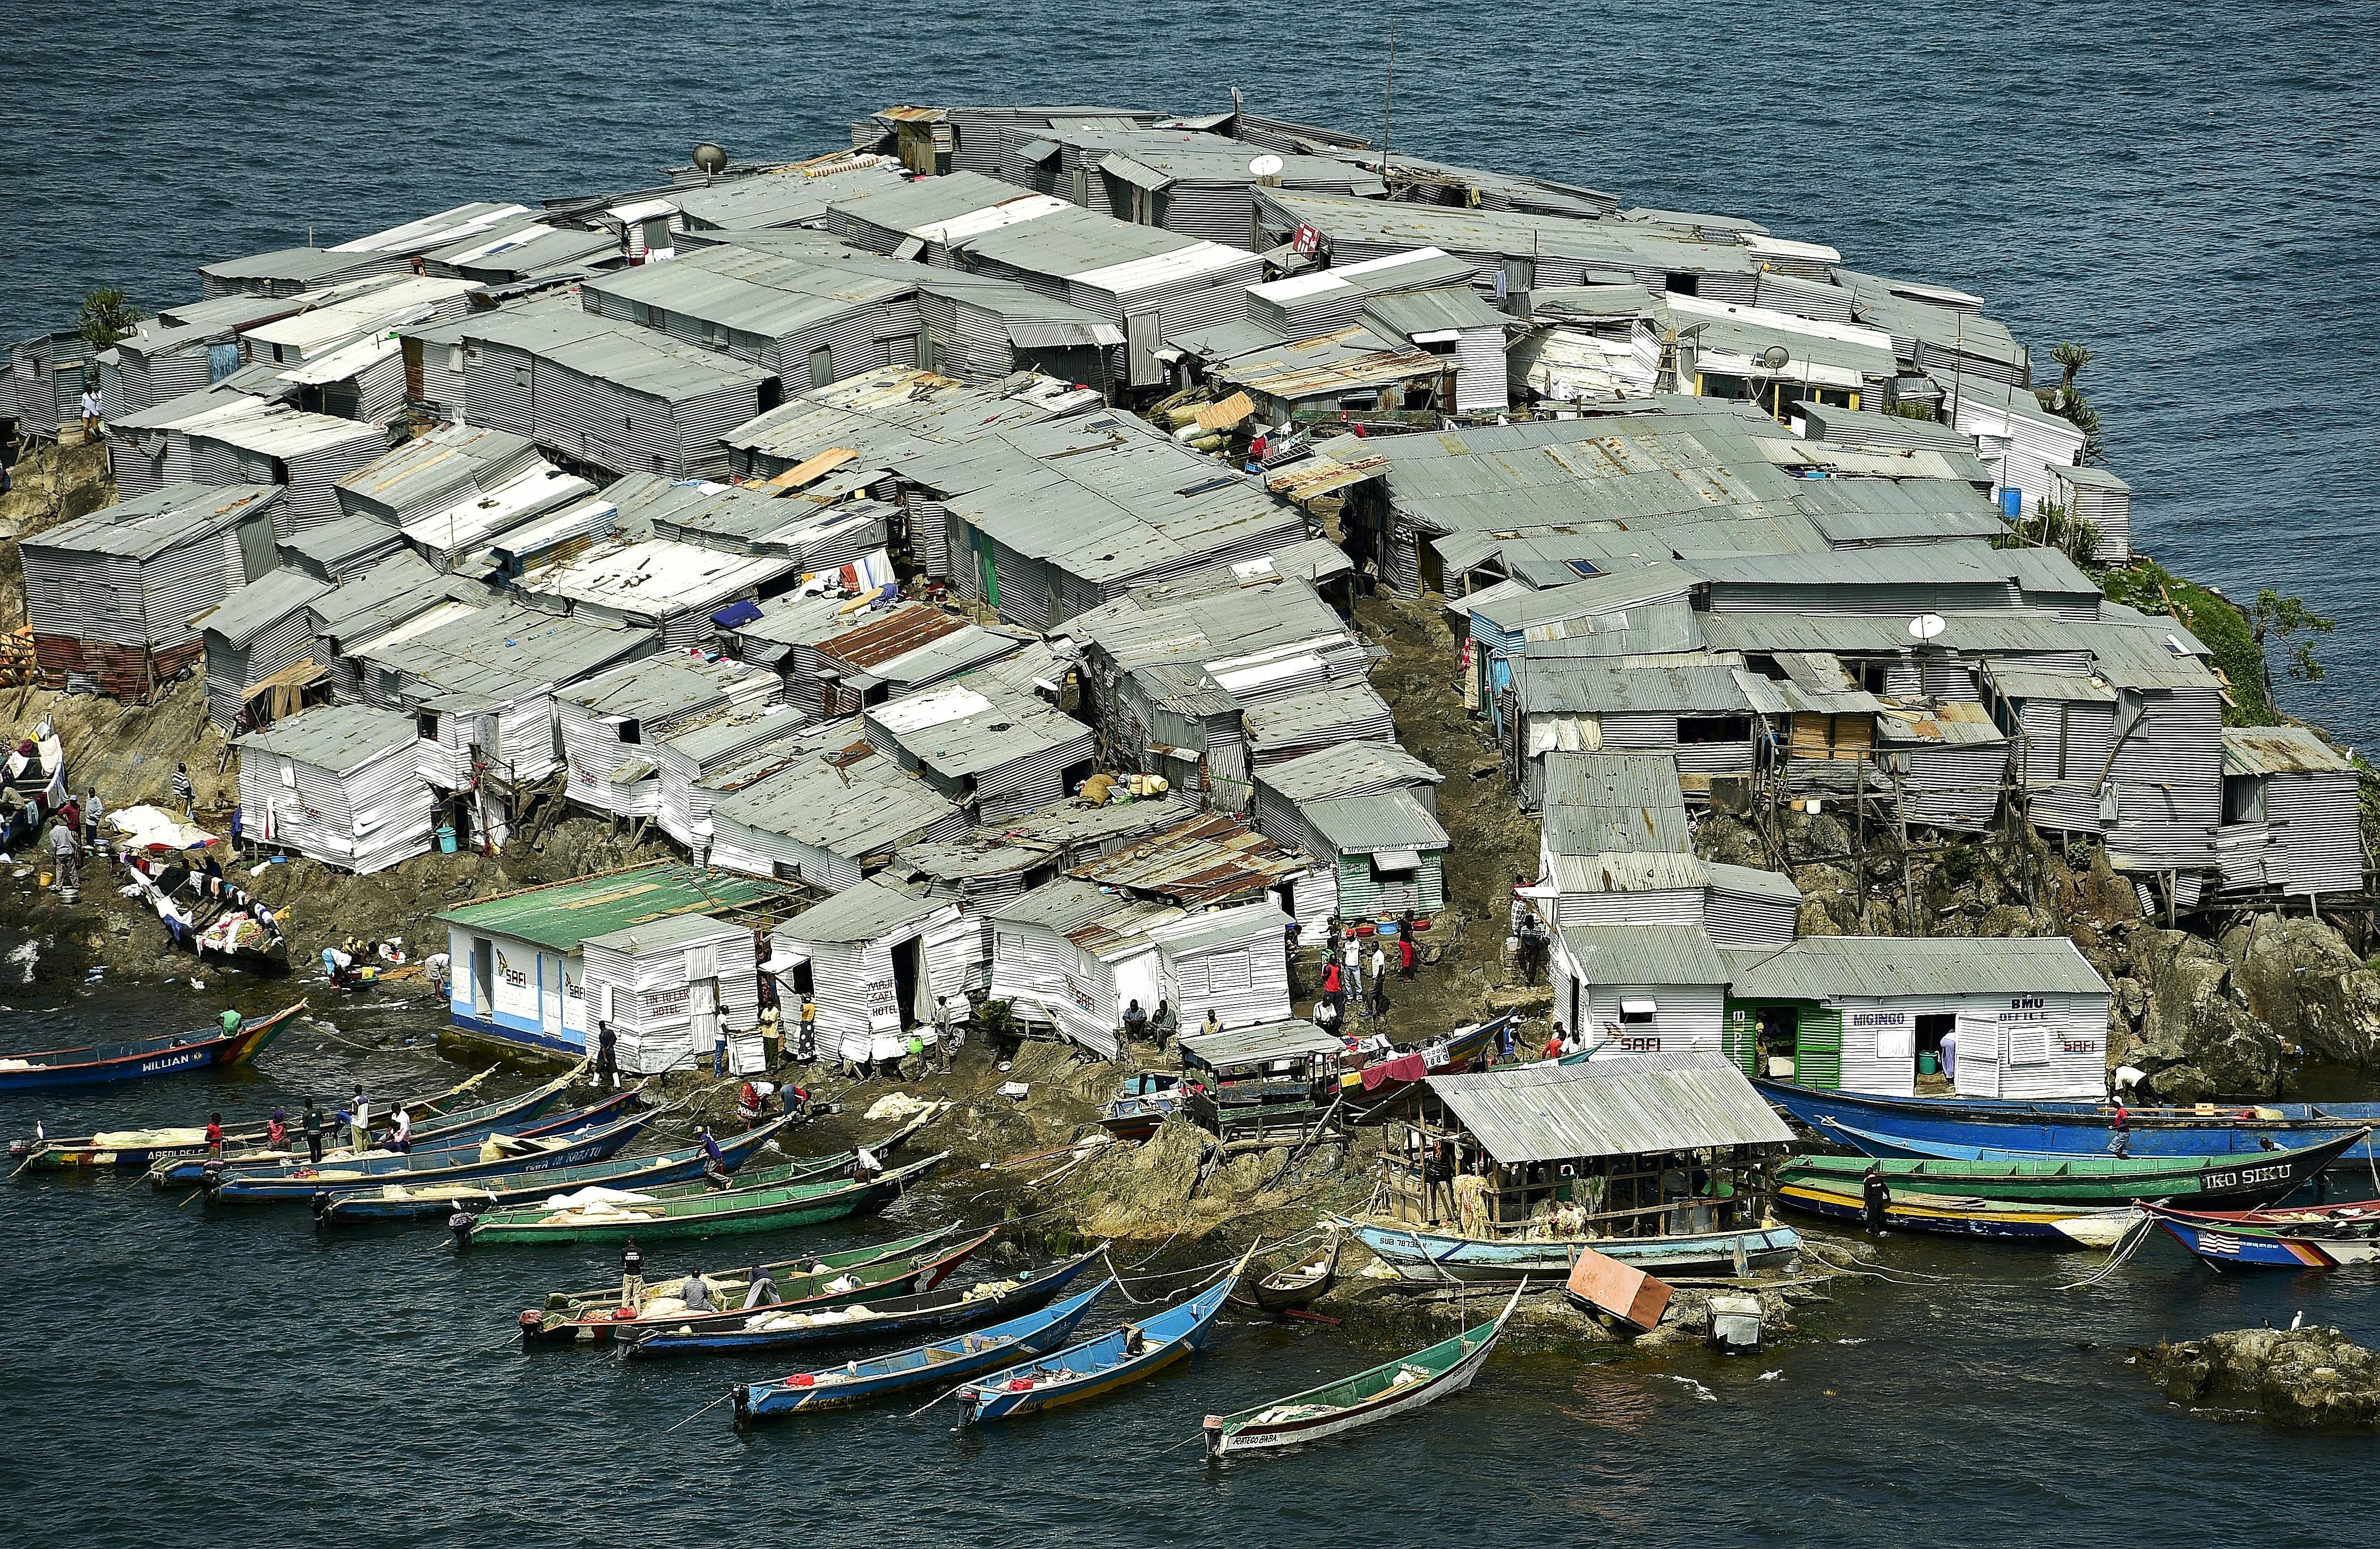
237,1369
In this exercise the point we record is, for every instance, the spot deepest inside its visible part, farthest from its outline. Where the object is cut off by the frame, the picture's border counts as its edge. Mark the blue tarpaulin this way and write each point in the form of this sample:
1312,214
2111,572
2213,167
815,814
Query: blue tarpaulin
737,614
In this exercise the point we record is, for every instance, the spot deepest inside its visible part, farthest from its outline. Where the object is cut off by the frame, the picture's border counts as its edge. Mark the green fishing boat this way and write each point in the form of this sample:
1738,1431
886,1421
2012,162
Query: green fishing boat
715,1212
735,1282
888,1269
2246,1179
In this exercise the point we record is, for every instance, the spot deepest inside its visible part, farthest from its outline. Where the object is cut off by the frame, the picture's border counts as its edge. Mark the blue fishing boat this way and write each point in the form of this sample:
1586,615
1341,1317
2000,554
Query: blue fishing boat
1426,1254
1122,1355
827,1318
862,1382
2321,1237
408,1198
1985,1130
449,1143
161,1054
327,1182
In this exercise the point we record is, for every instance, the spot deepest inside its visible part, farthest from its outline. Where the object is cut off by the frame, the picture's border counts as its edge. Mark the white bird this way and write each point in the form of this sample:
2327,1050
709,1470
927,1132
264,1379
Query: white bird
2299,1319
1771,1376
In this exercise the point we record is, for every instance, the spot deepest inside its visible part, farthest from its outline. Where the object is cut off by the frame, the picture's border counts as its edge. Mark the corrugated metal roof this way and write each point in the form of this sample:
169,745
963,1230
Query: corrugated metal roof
854,807
1321,776
1599,687
653,935
1628,871
269,599
1205,860
1880,967
1636,1106
660,686
1424,311
1367,824
562,915
1644,954
145,527
863,911
1259,1045
2266,750
1599,801
333,737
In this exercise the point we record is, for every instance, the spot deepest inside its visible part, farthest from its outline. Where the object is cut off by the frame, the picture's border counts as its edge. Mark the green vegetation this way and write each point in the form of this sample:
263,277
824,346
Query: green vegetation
2053,527
2279,617
1912,409
2227,630
2068,402
107,315
1960,865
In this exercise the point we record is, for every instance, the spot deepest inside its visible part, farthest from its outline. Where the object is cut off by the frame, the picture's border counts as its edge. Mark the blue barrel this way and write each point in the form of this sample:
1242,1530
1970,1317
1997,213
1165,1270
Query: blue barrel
446,838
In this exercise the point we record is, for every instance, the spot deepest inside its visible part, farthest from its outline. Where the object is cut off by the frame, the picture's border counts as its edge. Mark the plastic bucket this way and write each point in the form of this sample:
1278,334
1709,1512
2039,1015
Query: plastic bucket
1928,1064
446,838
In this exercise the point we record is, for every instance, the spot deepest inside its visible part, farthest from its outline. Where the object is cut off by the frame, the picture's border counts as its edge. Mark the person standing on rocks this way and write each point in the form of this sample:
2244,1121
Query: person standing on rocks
185,793
942,1034
607,1056
66,854
93,810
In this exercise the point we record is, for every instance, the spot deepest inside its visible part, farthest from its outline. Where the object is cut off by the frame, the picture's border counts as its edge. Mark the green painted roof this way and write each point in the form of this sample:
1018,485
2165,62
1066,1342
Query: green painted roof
564,914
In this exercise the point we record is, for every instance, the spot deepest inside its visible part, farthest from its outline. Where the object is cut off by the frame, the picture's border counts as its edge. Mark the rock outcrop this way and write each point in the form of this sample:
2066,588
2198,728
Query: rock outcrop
2308,1379
2197,1038
2299,977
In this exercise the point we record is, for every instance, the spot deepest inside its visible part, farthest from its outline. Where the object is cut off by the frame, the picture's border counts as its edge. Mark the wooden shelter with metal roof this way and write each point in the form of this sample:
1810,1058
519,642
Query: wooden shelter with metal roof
1660,1146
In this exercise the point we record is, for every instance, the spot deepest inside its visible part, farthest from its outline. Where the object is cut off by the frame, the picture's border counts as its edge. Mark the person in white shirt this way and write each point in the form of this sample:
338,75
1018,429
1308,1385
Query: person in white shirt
90,406
400,1134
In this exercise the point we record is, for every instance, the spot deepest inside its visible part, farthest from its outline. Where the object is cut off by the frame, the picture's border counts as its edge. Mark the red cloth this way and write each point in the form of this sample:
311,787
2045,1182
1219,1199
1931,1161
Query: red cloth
1331,978
1404,1067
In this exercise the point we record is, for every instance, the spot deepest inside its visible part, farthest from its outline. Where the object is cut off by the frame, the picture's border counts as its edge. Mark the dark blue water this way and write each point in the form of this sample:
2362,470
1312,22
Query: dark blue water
170,1369
2194,191
2192,194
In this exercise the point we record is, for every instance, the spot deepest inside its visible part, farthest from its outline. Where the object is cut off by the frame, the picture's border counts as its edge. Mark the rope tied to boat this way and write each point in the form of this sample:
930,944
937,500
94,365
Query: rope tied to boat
2126,1246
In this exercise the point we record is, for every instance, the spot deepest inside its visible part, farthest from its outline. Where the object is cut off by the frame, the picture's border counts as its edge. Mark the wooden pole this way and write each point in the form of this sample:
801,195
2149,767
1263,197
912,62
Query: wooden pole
1908,879
1859,838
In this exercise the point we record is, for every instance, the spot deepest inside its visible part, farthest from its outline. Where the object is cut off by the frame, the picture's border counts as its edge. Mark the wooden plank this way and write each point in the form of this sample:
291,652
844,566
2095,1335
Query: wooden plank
1222,415
813,468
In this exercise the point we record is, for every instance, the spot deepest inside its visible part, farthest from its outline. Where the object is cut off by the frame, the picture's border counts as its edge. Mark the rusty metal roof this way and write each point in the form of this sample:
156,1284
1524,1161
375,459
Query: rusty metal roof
2266,750
897,633
1205,860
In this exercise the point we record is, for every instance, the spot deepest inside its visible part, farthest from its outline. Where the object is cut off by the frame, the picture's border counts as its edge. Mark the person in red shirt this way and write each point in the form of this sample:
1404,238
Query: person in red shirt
1554,1043
747,1106
214,1135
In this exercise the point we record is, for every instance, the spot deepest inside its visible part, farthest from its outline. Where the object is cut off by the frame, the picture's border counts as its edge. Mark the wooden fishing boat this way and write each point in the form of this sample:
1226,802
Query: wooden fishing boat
832,1319
1122,1355
2309,1237
1978,1128
810,1290
600,1300
1299,1286
1950,1215
146,1148
1392,1387
457,1138
718,1213
930,1365
1434,1256
413,1199
2245,1180
1144,1102
1382,1082
326,1182
167,1054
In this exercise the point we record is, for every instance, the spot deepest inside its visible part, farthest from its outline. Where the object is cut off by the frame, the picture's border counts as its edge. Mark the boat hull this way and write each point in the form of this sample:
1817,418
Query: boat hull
731,1219
197,1054
1933,1127
596,1147
1033,1337
1223,1440
1030,1297
2234,1182
1421,1254
2037,1223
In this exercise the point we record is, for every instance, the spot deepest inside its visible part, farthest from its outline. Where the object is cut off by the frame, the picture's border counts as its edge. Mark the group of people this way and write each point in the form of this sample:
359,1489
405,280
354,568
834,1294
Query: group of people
1351,975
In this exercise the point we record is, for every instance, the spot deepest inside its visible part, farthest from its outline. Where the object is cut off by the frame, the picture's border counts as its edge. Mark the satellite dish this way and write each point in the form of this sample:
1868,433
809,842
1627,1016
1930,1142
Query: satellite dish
1776,357
710,158
1927,625
1267,166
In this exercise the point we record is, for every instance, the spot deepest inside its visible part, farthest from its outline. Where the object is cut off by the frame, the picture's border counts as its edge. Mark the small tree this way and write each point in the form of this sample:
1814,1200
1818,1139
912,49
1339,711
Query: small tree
2280,617
2071,358
2067,402
107,315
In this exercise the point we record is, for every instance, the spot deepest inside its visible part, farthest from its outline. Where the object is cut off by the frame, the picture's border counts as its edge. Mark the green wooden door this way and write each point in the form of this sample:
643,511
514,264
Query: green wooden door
1740,1037
1818,1048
